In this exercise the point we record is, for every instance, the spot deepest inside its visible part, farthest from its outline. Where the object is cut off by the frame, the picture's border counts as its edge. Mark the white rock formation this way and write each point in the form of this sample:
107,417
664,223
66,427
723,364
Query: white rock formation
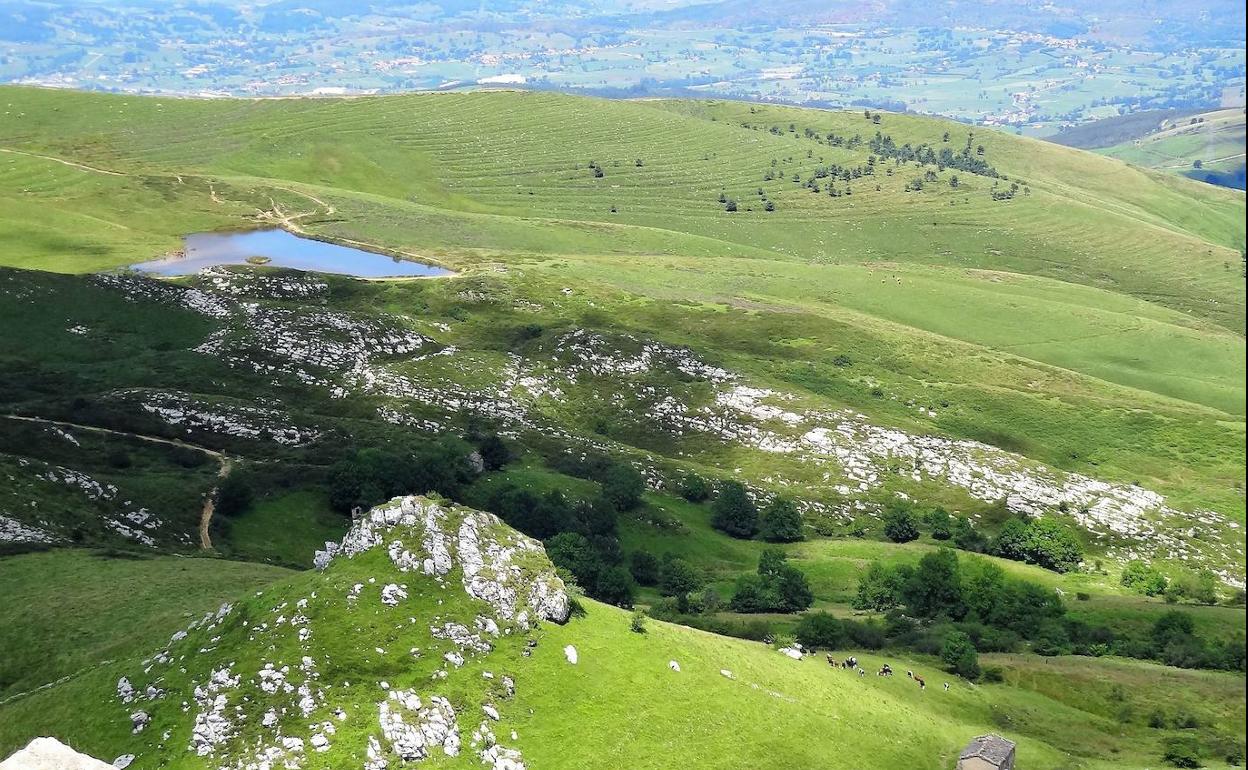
51,754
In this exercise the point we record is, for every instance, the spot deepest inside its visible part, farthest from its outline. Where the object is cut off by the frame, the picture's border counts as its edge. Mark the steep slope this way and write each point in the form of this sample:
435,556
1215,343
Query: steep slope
426,637
267,380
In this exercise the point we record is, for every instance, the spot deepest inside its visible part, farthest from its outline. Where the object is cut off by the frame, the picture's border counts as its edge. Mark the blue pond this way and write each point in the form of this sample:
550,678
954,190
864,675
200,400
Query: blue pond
284,249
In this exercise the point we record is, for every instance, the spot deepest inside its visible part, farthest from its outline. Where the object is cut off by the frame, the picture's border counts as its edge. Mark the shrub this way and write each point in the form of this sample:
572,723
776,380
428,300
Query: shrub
733,512
637,624
993,674
1182,751
644,567
958,652
780,522
694,488
900,524
819,630
233,495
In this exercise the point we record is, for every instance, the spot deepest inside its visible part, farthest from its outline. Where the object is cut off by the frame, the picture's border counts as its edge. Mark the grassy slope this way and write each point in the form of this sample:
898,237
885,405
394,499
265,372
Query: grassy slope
1217,141
774,712
1108,296
284,528
69,610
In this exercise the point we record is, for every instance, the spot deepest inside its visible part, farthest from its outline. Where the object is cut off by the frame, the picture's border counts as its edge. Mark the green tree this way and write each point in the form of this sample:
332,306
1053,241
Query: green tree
935,587
233,495
733,512
967,537
623,485
959,653
879,589
1053,545
494,452
1142,577
780,522
614,585
694,488
1013,541
819,630
940,522
900,524
752,594
1172,626
573,552
793,590
644,568
677,577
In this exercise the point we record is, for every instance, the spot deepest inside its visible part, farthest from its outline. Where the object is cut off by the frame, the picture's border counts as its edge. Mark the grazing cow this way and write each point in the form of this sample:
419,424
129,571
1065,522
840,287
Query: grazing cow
862,672
886,670
946,687
851,662
910,675
922,684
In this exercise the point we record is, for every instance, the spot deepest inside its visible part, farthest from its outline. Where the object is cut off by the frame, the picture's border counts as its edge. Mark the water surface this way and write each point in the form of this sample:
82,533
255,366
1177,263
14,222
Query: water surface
284,249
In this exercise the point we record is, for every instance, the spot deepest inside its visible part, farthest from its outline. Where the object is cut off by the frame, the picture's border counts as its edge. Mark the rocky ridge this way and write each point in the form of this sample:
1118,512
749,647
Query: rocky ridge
393,651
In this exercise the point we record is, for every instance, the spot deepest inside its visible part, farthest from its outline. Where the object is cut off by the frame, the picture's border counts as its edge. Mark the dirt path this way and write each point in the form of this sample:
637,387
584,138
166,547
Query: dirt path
210,504
62,161
205,516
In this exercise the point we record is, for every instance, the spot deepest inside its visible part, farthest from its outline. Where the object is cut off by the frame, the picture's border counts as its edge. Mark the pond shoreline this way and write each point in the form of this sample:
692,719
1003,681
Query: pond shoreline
281,247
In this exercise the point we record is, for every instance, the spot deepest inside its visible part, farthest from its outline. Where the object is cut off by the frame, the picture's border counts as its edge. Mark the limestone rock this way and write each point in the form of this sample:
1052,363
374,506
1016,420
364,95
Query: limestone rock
51,754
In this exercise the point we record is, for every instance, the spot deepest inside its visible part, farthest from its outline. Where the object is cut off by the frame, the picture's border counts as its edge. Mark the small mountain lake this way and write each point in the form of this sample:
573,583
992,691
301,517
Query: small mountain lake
279,248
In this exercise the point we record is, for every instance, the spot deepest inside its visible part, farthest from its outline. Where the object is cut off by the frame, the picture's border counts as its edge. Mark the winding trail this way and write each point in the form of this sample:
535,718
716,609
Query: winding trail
205,516
62,161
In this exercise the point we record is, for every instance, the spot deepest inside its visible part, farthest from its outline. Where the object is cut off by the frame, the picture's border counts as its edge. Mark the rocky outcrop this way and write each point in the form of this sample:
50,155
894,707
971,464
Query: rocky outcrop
424,591
498,565
51,754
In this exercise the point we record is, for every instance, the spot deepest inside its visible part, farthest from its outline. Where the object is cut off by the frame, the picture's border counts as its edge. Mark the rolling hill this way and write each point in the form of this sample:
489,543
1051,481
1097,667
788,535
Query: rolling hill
849,311
1203,145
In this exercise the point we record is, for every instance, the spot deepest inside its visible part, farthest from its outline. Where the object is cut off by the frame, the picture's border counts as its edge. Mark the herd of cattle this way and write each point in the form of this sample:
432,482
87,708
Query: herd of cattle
851,664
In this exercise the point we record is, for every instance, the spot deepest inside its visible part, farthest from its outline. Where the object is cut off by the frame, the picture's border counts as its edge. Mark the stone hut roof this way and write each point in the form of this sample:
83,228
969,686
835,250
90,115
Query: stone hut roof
992,748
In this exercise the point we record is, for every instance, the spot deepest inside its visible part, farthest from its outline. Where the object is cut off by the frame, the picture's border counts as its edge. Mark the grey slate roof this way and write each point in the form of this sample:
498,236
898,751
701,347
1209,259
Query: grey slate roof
993,748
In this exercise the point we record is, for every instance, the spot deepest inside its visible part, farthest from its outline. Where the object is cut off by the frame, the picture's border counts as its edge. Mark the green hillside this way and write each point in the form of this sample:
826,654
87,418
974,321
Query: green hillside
108,607
330,655
1210,141
862,318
